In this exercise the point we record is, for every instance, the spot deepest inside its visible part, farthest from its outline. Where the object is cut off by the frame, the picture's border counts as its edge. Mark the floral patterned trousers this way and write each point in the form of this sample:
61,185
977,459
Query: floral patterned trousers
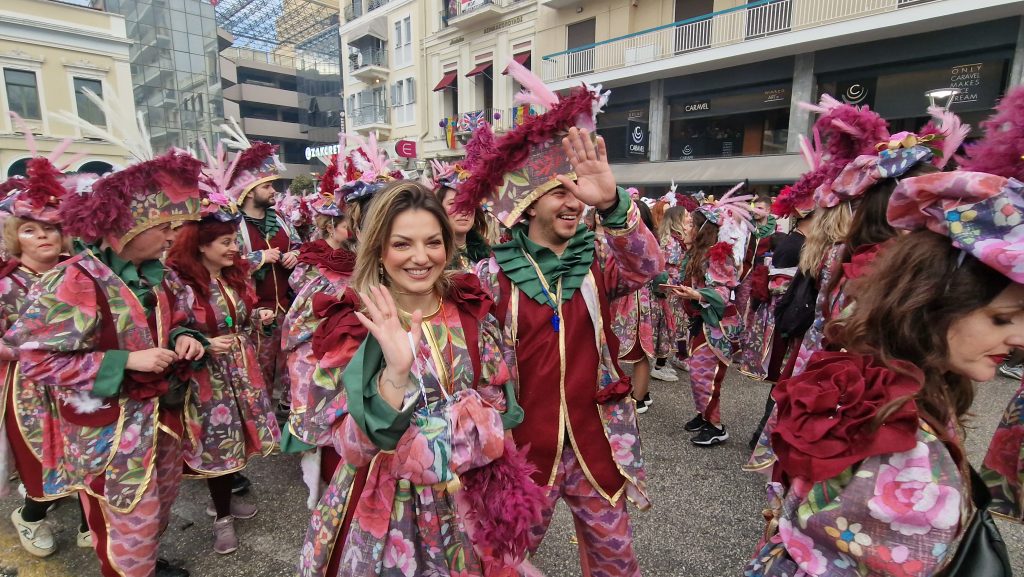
707,372
127,543
604,531
30,470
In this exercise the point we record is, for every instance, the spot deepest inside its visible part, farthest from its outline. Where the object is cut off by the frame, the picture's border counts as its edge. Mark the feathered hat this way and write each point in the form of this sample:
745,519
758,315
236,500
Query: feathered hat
732,215
367,169
936,143
257,162
520,166
1001,150
38,194
841,134
327,201
214,183
152,191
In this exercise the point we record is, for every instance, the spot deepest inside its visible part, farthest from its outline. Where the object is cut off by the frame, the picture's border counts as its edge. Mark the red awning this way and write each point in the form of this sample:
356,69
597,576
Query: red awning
480,69
448,79
522,58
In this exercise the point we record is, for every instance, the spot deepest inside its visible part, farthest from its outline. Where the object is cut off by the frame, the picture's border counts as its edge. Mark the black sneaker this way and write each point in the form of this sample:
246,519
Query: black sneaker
695,424
240,484
641,406
165,569
710,435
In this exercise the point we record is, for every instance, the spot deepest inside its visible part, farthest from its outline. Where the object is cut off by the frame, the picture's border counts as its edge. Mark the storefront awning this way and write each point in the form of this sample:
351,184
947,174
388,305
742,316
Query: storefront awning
480,69
772,169
521,58
446,81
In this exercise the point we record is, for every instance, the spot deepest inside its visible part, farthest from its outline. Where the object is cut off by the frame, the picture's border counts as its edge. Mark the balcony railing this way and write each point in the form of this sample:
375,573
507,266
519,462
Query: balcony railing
367,115
723,28
365,58
462,9
357,8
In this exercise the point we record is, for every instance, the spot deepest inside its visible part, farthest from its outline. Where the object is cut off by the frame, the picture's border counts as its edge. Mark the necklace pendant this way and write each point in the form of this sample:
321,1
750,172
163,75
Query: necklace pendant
555,322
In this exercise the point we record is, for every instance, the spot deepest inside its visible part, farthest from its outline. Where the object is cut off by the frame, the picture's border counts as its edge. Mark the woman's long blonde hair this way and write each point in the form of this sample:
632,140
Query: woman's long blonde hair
385,207
829,227
673,221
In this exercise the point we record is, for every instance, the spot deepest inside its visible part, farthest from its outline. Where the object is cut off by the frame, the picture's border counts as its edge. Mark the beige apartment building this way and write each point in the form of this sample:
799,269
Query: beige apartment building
50,52
706,92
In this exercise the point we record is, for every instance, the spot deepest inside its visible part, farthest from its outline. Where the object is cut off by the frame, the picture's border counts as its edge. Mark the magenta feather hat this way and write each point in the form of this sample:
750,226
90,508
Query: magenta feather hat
1001,150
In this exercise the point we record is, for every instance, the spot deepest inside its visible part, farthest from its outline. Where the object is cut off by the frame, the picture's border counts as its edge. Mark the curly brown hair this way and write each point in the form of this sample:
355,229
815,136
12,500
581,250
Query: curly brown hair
904,308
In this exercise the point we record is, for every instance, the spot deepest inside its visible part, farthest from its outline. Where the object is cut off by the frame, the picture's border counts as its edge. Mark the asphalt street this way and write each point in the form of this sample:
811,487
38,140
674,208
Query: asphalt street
705,521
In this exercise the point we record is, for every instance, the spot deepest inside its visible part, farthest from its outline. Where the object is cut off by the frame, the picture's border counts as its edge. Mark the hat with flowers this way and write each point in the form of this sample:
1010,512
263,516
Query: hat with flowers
257,162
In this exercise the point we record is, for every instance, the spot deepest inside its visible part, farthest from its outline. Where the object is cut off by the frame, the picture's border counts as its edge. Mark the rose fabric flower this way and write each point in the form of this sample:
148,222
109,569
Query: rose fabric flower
826,414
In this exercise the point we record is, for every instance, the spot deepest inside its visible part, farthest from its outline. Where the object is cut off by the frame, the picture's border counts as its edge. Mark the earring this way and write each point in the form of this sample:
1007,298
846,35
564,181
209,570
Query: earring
380,273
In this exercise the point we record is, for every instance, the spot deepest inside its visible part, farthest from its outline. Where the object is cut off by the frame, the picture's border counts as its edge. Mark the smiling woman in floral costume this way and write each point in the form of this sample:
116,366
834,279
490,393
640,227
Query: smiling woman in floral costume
872,477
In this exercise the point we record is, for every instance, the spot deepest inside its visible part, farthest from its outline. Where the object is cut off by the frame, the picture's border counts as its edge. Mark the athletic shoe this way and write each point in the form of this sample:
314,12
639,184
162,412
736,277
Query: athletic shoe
641,407
84,539
695,424
165,569
225,540
710,435
240,484
36,537
648,400
239,510
664,374
1015,372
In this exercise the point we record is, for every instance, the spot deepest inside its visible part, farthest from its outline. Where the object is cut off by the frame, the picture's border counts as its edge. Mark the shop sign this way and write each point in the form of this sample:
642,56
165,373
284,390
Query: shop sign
321,151
967,79
635,114
698,106
405,148
857,92
775,95
636,145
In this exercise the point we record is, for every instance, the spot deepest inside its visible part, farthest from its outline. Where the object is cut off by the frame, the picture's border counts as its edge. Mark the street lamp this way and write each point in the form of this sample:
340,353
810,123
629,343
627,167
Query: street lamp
942,97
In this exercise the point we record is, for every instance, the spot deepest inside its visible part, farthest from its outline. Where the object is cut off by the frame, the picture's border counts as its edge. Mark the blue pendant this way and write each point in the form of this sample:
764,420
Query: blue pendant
555,322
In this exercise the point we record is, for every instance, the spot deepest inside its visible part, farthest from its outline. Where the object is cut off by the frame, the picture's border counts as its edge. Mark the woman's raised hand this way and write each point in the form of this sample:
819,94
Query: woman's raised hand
383,322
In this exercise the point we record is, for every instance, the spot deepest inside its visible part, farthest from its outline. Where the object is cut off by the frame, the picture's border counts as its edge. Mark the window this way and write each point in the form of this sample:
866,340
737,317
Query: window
579,35
403,96
87,109
22,93
403,42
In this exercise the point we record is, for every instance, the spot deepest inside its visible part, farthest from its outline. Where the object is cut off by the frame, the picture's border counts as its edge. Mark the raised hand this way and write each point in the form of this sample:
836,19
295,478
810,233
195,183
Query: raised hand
382,321
595,183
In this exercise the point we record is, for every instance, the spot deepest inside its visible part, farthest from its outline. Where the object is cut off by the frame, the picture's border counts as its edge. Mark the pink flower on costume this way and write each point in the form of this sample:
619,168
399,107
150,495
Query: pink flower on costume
419,459
622,447
130,438
909,500
399,553
801,548
78,291
221,415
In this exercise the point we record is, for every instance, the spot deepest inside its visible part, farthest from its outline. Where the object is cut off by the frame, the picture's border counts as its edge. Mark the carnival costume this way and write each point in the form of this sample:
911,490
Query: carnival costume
116,434
1001,152
583,439
256,164
851,498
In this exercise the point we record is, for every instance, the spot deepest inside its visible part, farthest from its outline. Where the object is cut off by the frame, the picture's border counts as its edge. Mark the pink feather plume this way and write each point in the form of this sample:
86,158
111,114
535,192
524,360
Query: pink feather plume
999,152
534,90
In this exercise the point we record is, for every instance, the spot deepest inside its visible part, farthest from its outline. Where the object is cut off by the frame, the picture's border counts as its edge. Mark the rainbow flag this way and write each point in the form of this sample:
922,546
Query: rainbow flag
449,133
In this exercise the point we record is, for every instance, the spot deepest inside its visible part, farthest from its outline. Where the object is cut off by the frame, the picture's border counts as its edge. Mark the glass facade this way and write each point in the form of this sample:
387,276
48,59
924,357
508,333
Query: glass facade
741,122
174,69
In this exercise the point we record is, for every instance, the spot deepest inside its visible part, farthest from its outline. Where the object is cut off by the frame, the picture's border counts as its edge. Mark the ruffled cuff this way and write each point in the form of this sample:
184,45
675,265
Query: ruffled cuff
381,423
617,217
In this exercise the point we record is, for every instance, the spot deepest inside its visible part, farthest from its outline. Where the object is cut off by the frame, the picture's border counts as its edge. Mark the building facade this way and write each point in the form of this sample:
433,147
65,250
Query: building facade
174,68
706,92
49,53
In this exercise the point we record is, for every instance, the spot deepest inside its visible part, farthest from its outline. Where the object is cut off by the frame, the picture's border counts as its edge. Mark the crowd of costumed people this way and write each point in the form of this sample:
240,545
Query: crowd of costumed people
446,356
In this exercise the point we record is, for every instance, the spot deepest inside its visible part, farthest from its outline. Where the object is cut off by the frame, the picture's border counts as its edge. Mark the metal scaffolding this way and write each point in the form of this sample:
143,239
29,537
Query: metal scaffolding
270,25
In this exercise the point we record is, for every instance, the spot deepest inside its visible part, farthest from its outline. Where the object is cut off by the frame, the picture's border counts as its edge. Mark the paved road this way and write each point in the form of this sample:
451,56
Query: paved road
704,523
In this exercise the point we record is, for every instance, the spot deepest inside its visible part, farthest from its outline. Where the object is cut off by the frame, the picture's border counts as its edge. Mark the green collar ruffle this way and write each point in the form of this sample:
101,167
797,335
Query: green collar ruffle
571,268
141,279
767,229
267,225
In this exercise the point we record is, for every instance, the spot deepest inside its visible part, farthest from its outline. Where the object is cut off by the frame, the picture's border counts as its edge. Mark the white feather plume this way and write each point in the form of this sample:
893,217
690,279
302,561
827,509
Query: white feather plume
131,136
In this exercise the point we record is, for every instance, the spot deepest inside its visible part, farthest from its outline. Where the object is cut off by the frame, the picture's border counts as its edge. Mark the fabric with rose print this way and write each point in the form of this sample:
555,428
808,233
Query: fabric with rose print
1003,468
58,335
892,515
308,396
228,416
405,521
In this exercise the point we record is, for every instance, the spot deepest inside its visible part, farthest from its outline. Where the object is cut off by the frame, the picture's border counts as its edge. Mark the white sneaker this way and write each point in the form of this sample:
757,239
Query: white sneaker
84,539
669,371
663,375
37,537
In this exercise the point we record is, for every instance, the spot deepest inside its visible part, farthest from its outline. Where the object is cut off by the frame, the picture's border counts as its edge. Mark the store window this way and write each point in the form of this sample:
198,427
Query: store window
22,93
617,126
87,109
748,123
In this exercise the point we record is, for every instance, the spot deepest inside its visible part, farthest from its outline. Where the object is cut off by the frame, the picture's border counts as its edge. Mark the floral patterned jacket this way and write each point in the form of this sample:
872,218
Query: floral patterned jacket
106,435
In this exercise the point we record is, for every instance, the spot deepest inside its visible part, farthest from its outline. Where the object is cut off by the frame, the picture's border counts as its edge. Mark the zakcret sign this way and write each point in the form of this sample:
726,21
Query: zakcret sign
321,151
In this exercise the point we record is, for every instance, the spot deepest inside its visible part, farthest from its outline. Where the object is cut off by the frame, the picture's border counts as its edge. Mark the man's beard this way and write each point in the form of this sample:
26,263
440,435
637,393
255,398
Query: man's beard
263,203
